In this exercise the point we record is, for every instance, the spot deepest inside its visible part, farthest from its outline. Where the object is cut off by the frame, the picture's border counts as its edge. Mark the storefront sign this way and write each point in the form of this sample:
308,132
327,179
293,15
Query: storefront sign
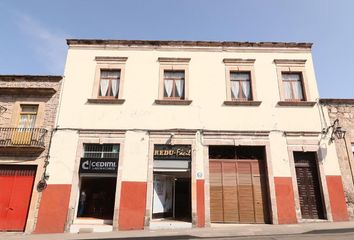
99,165
172,152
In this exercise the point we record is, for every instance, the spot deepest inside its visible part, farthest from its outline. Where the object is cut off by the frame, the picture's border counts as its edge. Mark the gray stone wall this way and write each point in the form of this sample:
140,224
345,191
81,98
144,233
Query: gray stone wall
345,114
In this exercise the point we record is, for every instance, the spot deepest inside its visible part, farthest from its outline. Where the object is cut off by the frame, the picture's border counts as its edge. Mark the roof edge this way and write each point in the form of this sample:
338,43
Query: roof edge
14,77
337,100
183,43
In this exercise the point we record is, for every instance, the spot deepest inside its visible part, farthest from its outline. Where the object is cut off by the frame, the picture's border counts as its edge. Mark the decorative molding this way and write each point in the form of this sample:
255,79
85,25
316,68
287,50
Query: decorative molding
290,61
38,91
111,59
223,134
173,60
105,100
172,102
301,133
242,103
296,103
238,61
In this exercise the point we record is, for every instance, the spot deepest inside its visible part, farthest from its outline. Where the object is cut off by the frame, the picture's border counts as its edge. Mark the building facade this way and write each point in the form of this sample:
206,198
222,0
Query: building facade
342,110
150,132
28,106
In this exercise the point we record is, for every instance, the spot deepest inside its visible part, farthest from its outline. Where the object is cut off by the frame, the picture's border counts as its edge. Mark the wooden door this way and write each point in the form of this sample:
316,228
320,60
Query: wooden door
238,191
308,185
16,183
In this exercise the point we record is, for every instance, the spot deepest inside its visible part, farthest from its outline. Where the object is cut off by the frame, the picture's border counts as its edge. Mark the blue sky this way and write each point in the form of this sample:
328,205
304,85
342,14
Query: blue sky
33,32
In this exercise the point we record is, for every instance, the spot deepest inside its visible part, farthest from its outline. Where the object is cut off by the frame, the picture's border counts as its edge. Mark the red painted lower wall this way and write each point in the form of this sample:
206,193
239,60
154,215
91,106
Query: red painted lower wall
337,198
53,209
285,200
200,203
132,205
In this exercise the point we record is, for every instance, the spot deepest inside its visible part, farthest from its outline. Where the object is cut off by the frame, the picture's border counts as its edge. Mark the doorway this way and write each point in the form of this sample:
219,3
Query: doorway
172,196
97,196
310,197
238,184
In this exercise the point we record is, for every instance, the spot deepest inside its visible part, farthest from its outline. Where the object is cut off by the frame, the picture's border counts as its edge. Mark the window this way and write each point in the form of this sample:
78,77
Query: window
292,81
109,79
240,82
174,84
240,85
109,83
28,115
101,151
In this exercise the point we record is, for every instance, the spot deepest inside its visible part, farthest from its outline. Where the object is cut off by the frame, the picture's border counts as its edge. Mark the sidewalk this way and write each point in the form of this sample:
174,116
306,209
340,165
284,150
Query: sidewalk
216,230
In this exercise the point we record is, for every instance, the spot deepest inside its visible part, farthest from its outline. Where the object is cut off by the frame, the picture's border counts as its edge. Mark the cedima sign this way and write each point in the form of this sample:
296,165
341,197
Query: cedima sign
101,165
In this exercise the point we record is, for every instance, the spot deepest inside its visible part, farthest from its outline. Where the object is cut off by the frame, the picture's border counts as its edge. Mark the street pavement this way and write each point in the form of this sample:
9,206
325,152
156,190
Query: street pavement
303,231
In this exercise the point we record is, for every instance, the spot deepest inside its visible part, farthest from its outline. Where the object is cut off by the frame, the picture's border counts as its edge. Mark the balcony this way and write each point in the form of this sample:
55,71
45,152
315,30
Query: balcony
22,141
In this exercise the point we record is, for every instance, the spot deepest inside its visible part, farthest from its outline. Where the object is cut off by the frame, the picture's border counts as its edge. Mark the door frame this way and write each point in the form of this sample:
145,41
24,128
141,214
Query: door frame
321,178
236,140
176,139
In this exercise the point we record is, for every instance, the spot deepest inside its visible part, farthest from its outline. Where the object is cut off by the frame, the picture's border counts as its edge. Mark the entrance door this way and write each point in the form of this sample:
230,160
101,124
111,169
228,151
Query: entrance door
16,183
182,199
172,196
308,185
97,195
238,191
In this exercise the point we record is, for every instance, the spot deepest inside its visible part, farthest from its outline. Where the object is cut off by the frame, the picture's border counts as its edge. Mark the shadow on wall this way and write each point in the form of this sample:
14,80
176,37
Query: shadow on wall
323,152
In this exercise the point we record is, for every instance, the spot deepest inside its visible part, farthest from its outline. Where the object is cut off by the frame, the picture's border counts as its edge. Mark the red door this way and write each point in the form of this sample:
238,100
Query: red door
16,183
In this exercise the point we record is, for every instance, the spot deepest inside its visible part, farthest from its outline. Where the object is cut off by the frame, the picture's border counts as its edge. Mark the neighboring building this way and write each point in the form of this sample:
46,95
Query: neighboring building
201,132
343,110
28,106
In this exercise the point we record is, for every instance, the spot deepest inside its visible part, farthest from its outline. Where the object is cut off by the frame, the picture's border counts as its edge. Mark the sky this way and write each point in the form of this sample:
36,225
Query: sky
33,33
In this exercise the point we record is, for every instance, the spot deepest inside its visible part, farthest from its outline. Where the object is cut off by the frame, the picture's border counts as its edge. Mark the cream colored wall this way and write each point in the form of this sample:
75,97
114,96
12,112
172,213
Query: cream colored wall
135,156
279,155
207,90
62,157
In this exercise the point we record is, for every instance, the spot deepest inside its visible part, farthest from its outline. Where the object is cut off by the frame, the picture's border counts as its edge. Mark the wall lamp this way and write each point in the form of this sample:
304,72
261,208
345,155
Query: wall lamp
337,130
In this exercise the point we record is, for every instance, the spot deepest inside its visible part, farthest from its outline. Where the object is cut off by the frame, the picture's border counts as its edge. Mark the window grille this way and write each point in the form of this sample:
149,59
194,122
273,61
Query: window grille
101,151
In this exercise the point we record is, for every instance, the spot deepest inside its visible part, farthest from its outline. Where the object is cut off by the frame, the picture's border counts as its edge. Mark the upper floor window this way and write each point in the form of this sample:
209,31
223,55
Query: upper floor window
101,151
240,82
109,83
28,116
109,80
174,84
240,85
293,88
292,81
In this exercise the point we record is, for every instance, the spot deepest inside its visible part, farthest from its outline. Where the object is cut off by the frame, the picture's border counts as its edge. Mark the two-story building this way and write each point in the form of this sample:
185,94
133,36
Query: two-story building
188,133
28,105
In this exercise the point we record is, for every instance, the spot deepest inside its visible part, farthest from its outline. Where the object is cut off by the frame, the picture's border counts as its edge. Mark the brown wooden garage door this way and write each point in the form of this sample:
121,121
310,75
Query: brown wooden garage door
238,191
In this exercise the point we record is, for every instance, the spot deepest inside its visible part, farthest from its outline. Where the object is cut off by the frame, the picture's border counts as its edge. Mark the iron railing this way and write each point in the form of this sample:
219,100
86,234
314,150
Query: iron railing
22,137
